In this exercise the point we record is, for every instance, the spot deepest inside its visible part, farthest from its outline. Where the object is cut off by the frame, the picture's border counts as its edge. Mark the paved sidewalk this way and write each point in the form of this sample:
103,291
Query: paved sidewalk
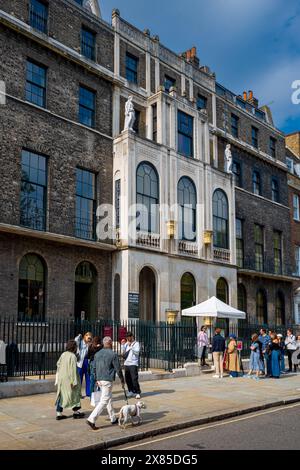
29,422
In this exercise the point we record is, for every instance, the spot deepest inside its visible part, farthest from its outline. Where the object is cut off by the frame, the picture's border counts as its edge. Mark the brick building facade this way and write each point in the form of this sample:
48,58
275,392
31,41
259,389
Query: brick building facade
264,253
293,164
48,247
68,75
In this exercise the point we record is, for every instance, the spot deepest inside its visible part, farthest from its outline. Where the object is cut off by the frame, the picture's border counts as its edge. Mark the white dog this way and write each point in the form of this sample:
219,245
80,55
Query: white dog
128,412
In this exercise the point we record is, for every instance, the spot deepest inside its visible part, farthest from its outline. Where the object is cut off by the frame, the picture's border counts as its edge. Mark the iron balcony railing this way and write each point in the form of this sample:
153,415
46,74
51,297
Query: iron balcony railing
268,266
85,228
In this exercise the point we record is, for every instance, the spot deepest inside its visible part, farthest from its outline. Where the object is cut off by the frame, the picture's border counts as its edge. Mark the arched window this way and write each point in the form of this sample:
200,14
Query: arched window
187,202
261,307
280,309
222,290
147,196
32,275
220,219
187,291
242,298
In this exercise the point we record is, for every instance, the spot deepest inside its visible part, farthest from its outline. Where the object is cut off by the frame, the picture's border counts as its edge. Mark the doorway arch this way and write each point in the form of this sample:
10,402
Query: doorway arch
85,291
147,295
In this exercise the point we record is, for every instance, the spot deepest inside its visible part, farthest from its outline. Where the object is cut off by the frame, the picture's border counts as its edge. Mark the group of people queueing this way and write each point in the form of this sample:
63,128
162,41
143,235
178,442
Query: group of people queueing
90,358
268,352
267,356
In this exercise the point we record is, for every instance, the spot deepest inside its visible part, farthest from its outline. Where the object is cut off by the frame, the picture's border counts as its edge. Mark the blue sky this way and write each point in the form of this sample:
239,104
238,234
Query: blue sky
249,44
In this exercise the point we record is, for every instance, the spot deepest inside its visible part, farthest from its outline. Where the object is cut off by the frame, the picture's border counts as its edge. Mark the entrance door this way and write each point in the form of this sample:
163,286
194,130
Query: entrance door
147,289
85,292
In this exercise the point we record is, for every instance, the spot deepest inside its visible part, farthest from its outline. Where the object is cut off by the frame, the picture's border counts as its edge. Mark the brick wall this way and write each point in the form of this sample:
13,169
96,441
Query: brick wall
245,128
61,262
253,284
293,142
64,25
63,79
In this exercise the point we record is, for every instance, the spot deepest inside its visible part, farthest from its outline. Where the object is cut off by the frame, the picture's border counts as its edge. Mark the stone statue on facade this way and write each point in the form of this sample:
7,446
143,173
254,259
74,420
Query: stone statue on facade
129,115
228,159
93,6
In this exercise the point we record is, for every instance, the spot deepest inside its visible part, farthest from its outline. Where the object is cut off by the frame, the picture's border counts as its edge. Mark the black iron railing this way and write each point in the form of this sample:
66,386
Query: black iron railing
34,346
269,266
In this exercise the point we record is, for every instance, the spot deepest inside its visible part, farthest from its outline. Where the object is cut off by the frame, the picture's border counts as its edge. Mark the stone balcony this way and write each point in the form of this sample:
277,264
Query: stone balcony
148,240
188,248
222,255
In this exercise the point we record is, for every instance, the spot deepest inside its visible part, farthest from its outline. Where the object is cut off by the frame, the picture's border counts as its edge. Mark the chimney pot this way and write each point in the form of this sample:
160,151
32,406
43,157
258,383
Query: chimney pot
250,95
245,95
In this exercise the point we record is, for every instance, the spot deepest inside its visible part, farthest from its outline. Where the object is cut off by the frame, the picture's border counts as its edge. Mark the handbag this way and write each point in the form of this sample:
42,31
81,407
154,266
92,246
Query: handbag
96,397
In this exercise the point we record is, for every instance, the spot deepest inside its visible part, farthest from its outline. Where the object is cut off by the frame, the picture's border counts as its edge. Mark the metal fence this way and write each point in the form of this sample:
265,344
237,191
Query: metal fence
33,347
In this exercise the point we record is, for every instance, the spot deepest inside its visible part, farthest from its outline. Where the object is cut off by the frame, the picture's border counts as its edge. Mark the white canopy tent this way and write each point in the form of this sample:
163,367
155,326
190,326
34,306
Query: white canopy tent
214,308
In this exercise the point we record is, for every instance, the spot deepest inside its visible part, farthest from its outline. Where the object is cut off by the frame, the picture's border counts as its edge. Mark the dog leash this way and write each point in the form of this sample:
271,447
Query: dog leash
126,399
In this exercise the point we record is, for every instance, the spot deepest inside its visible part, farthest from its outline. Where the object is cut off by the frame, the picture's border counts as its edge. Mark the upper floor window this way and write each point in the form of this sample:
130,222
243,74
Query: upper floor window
239,243
147,197
220,219
187,202
273,147
87,105
132,63
296,207
85,225
237,173
275,190
201,102
39,15
254,136
36,83
33,191
88,43
256,183
297,260
277,252
118,202
169,83
154,122
234,125
136,125
185,134
80,2
290,164
259,247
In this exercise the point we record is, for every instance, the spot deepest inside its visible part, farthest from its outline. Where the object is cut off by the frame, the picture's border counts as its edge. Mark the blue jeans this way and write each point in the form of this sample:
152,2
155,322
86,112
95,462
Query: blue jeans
268,363
84,371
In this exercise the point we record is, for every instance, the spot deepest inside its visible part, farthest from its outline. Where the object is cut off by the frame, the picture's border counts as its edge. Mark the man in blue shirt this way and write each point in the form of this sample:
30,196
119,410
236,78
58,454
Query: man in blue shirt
265,340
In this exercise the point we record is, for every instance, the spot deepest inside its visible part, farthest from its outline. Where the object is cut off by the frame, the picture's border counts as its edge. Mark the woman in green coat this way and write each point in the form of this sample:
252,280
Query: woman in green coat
68,383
